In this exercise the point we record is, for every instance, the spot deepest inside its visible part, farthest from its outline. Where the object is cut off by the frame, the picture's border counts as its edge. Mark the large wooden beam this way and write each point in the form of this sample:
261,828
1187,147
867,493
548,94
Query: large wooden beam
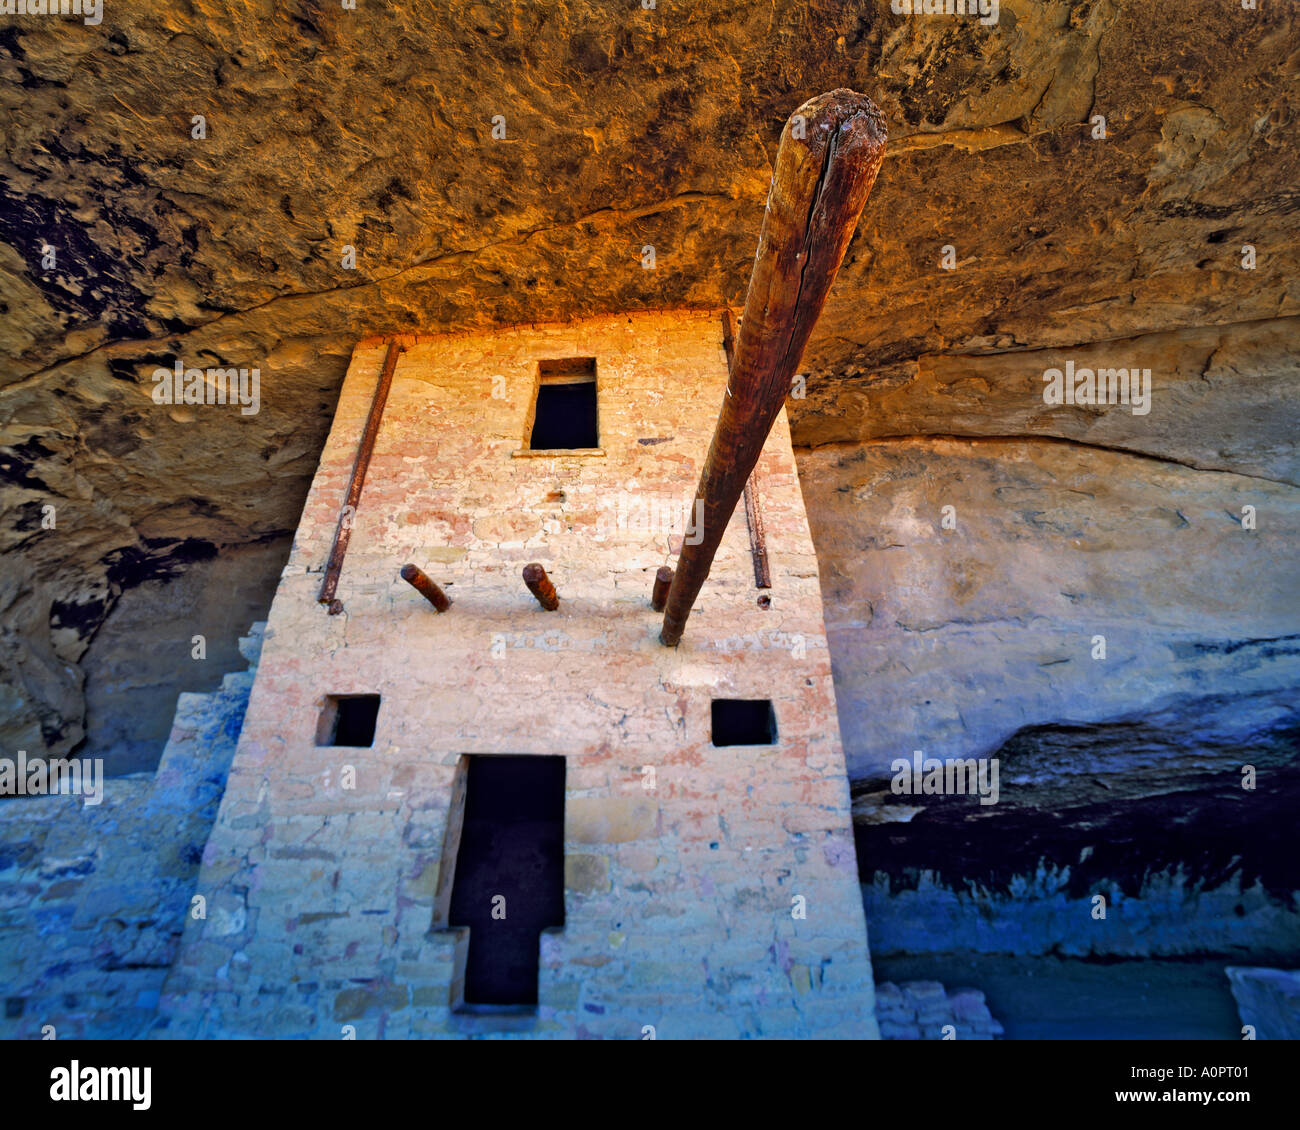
830,152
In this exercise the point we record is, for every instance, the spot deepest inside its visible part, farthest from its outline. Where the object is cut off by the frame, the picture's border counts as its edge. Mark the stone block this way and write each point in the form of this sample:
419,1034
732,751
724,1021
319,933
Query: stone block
586,874
1268,1000
610,820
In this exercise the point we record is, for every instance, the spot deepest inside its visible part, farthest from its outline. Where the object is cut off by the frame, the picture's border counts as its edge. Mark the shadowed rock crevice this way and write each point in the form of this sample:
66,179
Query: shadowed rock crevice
1110,805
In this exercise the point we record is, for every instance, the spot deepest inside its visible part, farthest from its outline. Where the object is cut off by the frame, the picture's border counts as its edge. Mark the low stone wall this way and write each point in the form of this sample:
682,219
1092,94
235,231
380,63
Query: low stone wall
1166,917
923,1010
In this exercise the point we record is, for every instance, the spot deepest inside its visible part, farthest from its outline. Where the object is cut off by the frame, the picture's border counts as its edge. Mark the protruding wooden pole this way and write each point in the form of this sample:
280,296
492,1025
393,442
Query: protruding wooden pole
539,584
830,152
659,594
419,580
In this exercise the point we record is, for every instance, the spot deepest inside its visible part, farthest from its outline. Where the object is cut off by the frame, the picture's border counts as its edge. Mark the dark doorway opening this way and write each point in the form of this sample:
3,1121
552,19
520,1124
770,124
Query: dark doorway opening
509,880
564,416
348,720
743,721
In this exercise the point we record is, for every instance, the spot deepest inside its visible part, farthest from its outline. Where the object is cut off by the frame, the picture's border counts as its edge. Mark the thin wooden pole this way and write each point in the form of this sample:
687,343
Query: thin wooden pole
830,152
753,510
343,531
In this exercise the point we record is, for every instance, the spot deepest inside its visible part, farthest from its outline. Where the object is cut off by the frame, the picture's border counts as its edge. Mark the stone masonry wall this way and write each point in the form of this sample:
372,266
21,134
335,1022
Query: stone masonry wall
923,1010
321,898
93,898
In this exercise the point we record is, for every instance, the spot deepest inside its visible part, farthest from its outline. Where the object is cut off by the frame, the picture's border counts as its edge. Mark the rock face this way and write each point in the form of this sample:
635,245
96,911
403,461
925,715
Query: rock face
1078,586
187,181
133,671
1109,629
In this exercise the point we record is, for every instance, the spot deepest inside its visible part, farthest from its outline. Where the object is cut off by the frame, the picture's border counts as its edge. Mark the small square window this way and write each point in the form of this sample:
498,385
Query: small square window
743,721
348,720
564,415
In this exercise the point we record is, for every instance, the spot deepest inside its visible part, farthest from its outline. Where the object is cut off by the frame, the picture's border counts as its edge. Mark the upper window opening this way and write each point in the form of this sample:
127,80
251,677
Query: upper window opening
564,417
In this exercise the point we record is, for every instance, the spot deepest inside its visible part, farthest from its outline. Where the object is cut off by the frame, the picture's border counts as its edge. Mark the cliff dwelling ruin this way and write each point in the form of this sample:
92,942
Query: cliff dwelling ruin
536,521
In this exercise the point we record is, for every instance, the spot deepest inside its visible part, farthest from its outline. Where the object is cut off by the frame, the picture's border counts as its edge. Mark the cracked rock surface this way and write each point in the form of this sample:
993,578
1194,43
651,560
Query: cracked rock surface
626,129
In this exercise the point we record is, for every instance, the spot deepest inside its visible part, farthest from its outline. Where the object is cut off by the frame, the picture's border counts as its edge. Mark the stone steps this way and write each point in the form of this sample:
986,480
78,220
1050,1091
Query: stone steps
93,898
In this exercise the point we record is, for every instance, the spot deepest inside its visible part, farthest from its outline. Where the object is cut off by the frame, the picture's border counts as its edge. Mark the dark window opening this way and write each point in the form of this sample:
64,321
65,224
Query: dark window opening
509,880
565,413
743,721
348,720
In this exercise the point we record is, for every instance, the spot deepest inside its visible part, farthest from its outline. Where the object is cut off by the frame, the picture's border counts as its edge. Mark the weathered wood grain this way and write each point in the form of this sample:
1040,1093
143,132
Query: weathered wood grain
830,152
